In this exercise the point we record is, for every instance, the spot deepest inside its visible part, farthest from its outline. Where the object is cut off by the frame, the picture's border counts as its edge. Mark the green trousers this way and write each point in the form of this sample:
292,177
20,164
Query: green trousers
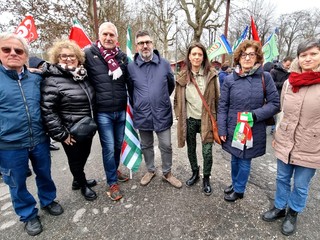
194,127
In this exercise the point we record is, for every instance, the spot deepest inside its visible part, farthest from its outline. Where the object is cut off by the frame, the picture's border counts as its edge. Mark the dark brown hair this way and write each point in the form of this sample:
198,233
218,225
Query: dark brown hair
243,47
205,63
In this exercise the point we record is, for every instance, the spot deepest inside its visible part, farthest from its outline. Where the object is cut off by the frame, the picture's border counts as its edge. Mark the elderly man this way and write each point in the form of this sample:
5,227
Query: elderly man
22,135
151,84
106,65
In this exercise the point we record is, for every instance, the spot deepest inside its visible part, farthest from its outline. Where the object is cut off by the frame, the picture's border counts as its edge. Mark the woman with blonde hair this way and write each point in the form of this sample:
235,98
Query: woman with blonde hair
68,97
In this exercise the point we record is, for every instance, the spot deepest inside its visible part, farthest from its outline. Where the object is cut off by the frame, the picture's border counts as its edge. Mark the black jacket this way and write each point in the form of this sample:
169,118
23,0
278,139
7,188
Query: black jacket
64,101
111,95
279,75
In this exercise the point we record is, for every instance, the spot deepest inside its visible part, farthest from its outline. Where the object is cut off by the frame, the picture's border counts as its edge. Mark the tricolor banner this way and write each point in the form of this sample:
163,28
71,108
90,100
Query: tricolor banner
221,46
78,35
27,29
131,154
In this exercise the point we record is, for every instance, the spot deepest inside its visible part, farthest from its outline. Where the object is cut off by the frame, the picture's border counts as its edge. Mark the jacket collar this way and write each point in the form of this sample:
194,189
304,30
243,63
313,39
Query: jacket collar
13,74
155,59
183,81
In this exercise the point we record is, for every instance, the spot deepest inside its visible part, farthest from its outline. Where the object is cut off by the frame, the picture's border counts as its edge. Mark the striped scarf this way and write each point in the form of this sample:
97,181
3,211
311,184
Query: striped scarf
242,133
109,55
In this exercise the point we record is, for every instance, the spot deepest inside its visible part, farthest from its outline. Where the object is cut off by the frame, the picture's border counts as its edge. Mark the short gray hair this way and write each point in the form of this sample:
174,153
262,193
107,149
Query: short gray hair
142,33
307,44
5,36
108,24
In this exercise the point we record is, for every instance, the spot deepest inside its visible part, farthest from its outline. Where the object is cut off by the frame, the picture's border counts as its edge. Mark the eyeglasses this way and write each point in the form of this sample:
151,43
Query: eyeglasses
141,44
66,56
7,50
251,55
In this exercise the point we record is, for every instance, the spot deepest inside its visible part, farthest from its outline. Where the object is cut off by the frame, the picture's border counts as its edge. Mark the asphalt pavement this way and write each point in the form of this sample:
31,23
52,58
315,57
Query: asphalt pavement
160,211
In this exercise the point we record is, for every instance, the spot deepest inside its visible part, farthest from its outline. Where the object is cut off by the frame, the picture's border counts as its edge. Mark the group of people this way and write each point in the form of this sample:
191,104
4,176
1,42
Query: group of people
96,83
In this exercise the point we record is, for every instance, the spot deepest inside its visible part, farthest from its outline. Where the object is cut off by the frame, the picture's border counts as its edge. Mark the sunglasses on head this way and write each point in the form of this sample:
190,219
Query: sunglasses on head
18,51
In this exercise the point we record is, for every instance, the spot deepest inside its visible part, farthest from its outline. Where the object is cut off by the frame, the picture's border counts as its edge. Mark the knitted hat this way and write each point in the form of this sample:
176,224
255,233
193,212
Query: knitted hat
35,62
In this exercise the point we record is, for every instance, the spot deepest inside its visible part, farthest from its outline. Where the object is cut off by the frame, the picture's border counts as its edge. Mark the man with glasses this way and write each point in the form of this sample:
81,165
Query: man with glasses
106,65
22,135
151,83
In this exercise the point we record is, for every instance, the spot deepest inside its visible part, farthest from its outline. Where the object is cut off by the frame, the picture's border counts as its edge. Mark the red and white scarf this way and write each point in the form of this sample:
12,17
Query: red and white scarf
109,55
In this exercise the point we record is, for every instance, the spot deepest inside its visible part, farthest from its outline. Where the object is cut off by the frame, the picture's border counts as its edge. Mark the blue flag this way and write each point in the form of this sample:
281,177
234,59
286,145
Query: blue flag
221,46
241,39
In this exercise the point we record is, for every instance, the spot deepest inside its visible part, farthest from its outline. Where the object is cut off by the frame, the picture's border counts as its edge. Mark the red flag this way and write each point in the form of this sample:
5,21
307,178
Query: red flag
27,29
254,31
78,35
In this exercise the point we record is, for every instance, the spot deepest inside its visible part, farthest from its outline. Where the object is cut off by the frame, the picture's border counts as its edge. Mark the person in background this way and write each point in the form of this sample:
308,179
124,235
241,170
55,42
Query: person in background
151,83
192,116
23,138
225,71
35,64
297,140
107,69
242,113
67,97
280,72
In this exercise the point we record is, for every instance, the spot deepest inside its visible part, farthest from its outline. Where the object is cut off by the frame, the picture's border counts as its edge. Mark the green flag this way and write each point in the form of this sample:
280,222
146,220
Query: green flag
129,45
269,49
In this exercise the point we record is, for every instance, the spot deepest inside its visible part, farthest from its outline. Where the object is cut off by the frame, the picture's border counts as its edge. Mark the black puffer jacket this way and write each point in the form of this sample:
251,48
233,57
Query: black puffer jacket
64,101
279,75
111,95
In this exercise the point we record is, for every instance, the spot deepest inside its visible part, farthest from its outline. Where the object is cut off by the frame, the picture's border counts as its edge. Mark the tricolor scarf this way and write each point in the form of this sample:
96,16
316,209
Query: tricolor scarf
298,80
109,55
242,133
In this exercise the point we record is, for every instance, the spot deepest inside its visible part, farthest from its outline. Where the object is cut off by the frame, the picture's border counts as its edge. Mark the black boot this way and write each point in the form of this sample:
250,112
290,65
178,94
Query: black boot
88,193
206,186
289,223
273,214
195,178
233,196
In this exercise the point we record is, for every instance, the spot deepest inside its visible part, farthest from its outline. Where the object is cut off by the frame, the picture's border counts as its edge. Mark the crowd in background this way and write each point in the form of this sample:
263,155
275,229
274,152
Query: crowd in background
77,93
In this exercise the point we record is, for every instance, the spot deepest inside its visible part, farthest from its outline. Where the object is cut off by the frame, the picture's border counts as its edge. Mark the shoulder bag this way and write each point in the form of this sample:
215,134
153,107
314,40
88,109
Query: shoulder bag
85,128
213,121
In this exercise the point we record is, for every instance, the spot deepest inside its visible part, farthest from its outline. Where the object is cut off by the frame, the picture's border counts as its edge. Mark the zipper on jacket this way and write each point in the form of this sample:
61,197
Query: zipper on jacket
27,111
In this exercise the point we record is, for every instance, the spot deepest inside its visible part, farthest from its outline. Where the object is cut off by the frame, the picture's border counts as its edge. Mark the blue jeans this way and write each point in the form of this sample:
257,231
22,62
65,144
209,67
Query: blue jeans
111,132
240,171
14,167
296,197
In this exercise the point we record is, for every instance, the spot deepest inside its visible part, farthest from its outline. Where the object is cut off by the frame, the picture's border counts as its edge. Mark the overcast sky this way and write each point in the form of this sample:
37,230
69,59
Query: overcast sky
289,6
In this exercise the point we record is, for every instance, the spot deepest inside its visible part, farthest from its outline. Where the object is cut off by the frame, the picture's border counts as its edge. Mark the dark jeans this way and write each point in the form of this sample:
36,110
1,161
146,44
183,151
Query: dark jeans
194,127
78,155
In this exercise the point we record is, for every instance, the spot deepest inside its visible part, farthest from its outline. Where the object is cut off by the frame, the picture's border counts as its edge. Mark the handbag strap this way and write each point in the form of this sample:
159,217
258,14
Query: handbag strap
263,86
204,103
90,104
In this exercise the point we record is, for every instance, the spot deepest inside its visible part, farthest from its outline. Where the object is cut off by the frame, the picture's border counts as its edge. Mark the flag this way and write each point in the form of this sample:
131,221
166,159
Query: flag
221,46
270,49
27,29
129,45
241,39
78,35
131,154
254,32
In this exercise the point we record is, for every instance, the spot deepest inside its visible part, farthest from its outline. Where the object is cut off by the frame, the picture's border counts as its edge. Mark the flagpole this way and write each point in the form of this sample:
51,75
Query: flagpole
226,25
95,18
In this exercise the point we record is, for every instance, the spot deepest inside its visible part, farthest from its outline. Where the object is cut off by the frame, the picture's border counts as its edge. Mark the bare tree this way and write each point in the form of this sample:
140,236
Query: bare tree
206,14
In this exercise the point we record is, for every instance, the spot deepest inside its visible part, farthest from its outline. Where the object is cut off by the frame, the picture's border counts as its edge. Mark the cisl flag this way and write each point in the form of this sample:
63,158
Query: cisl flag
78,35
27,29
